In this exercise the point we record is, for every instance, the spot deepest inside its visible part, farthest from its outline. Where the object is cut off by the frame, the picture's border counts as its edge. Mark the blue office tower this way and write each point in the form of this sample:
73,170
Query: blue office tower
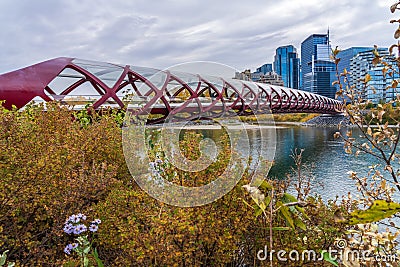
318,70
347,56
264,69
287,65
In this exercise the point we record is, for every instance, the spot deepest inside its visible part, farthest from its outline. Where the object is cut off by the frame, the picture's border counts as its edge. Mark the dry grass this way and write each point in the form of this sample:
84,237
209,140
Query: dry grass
284,117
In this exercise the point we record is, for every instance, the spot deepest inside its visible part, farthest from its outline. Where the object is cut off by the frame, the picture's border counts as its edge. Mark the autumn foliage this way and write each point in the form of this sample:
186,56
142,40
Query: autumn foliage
55,163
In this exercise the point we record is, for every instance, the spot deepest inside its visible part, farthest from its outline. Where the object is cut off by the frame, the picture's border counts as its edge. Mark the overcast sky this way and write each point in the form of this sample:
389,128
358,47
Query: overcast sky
242,34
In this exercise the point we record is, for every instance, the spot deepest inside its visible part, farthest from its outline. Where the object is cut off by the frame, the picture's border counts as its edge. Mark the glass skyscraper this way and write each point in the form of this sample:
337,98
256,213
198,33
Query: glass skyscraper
358,62
287,65
264,69
346,57
318,70
379,88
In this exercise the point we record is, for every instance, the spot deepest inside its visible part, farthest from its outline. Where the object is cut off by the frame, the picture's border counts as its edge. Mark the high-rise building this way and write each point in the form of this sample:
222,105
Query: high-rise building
379,87
318,70
346,57
287,65
265,68
260,72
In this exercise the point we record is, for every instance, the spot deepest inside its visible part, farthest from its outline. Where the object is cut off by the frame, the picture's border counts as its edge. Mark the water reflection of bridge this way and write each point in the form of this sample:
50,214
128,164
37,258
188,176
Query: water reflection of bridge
162,93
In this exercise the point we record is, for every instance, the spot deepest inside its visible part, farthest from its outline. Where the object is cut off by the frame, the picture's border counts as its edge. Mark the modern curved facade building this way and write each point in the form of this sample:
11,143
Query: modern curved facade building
77,82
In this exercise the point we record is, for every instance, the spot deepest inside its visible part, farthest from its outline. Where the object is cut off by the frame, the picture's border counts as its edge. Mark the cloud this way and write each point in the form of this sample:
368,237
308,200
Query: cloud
165,33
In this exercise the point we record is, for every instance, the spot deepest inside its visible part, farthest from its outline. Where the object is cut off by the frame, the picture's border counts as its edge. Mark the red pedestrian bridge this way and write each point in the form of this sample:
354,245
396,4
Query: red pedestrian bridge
77,82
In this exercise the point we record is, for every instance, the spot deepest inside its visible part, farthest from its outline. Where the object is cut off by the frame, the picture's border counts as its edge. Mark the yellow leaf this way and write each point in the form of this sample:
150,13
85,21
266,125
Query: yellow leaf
367,78
376,61
369,131
379,210
395,83
380,115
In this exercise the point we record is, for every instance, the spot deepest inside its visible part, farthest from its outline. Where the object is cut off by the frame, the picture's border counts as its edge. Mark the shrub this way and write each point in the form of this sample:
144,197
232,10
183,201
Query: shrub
51,167
54,164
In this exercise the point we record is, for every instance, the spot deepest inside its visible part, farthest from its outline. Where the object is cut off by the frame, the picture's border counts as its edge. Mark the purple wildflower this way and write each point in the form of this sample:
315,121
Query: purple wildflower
93,228
67,251
70,247
73,219
80,229
81,216
97,221
69,228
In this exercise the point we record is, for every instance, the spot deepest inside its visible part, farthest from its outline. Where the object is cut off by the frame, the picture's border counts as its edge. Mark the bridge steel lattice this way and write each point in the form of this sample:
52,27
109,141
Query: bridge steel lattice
164,93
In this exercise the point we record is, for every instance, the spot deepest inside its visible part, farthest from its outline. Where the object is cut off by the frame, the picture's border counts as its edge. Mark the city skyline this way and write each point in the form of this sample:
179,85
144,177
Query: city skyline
173,32
317,68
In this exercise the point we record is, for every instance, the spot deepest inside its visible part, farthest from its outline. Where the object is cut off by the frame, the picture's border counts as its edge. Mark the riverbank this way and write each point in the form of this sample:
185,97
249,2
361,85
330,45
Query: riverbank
303,119
281,117
328,120
294,117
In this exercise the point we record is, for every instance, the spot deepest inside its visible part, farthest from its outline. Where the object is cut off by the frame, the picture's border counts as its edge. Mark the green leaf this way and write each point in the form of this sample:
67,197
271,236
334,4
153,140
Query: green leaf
302,211
96,257
379,210
327,258
267,200
3,258
258,211
11,264
262,206
284,211
299,223
266,186
287,198
86,250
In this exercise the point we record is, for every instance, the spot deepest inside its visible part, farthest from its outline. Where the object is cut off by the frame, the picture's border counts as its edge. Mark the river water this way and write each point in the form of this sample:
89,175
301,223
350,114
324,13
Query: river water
323,156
